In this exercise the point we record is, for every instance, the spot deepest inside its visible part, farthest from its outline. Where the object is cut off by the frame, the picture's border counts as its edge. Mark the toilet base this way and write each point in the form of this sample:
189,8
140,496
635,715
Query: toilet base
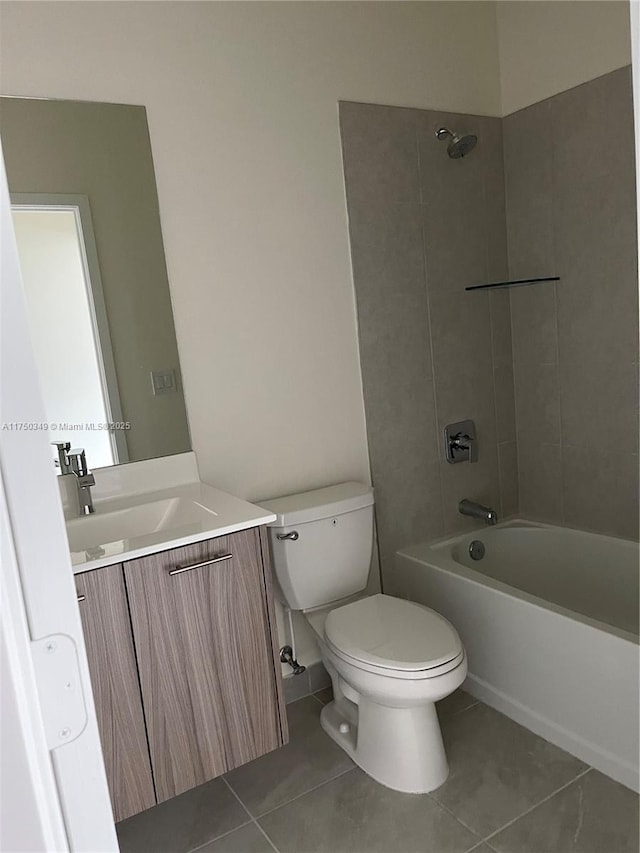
399,747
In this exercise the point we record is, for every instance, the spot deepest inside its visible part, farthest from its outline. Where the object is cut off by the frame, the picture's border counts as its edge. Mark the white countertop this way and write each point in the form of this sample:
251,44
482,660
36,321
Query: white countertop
158,521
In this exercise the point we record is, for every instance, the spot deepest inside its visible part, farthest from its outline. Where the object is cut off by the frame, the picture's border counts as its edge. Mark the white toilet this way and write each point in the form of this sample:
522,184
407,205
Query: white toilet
389,659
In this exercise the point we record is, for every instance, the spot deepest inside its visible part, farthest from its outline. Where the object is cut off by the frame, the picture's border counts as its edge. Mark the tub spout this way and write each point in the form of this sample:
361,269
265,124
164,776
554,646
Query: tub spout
485,513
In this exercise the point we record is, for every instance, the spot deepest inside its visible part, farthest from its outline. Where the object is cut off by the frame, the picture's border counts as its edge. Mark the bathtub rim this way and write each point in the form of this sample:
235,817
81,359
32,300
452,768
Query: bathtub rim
446,563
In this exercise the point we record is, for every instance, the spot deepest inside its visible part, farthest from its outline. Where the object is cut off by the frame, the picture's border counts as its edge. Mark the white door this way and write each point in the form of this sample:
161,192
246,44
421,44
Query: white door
54,786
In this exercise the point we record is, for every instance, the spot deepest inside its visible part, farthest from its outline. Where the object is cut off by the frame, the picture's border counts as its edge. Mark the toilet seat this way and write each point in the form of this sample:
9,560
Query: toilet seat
393,637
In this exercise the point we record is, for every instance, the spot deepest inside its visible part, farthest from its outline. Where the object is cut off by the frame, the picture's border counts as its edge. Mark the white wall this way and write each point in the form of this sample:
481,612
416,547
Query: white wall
242,106
548,46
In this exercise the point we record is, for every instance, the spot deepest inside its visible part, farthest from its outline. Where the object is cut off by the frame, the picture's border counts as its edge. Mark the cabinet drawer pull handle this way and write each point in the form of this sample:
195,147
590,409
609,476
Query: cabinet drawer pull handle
179,569
81,598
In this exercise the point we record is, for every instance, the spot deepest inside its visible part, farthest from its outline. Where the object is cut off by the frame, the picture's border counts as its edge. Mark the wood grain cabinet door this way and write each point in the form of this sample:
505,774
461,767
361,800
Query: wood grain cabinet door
116,689
202,626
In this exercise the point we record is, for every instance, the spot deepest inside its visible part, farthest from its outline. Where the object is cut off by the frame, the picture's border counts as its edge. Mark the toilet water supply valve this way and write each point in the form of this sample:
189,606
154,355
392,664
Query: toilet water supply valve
286,656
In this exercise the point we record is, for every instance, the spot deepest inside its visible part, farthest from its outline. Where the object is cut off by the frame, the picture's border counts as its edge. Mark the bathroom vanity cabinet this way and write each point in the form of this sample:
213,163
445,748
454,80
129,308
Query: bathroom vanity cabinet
183,656
116,692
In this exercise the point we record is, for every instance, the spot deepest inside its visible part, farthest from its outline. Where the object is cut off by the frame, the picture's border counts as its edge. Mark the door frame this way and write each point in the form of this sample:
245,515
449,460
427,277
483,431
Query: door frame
80,207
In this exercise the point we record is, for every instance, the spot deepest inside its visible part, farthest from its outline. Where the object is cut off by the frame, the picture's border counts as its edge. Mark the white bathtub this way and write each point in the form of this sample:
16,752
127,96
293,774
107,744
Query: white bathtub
549,619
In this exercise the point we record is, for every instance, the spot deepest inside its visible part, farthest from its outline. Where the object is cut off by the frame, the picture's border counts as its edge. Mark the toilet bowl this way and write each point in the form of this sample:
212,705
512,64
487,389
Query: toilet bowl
390,661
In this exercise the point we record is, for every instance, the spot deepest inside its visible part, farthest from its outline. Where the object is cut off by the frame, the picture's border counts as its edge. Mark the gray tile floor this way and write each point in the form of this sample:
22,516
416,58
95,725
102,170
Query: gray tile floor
508,791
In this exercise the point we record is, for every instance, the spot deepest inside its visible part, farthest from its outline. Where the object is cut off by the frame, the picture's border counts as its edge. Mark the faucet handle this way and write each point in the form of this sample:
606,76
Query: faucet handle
62,462
460,441
84,479
78,461
463,441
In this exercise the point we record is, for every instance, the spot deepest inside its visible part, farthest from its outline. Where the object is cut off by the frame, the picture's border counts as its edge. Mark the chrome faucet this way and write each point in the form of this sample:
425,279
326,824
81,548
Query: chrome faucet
75,462
485,513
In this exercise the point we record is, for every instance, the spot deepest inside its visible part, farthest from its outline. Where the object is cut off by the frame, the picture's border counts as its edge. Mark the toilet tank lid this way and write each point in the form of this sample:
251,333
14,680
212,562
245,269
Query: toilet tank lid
319,503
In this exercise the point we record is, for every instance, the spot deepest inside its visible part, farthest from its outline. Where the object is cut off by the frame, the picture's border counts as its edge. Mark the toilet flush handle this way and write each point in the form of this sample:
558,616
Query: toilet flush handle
293,535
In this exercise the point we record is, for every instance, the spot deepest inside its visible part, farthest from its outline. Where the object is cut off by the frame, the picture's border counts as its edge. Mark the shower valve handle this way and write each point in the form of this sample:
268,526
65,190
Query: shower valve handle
462,441
461,444
458,441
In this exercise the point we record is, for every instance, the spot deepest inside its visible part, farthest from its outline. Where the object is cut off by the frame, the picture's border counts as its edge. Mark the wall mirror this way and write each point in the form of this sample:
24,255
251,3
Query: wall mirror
87,223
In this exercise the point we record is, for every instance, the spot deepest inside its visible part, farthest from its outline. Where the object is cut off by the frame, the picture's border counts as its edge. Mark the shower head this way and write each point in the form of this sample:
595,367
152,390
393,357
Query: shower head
460,144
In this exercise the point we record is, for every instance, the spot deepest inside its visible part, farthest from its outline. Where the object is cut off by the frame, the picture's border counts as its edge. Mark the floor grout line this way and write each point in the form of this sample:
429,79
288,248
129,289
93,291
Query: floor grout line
468,708
252,820
307,696
266,836
539,803
223,835
447,718
477,847
228,784
458,820
304,793
482,839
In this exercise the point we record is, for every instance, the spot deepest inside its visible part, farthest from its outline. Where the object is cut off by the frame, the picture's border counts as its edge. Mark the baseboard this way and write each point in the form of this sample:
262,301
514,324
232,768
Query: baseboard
314,678
609,764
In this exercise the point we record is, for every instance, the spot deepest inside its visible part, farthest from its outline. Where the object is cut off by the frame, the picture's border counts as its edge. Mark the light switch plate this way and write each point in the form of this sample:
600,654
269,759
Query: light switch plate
163,381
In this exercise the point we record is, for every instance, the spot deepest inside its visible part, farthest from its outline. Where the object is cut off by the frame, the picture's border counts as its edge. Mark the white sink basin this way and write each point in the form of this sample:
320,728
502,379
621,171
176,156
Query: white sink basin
116,523
126,526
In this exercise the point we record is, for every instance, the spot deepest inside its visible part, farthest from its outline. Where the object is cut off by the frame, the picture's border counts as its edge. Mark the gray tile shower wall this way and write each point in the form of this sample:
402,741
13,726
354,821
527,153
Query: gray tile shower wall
422,227
570,195
549,372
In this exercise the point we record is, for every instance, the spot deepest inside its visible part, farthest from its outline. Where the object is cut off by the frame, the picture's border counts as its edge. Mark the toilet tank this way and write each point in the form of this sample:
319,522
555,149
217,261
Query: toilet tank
331,555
